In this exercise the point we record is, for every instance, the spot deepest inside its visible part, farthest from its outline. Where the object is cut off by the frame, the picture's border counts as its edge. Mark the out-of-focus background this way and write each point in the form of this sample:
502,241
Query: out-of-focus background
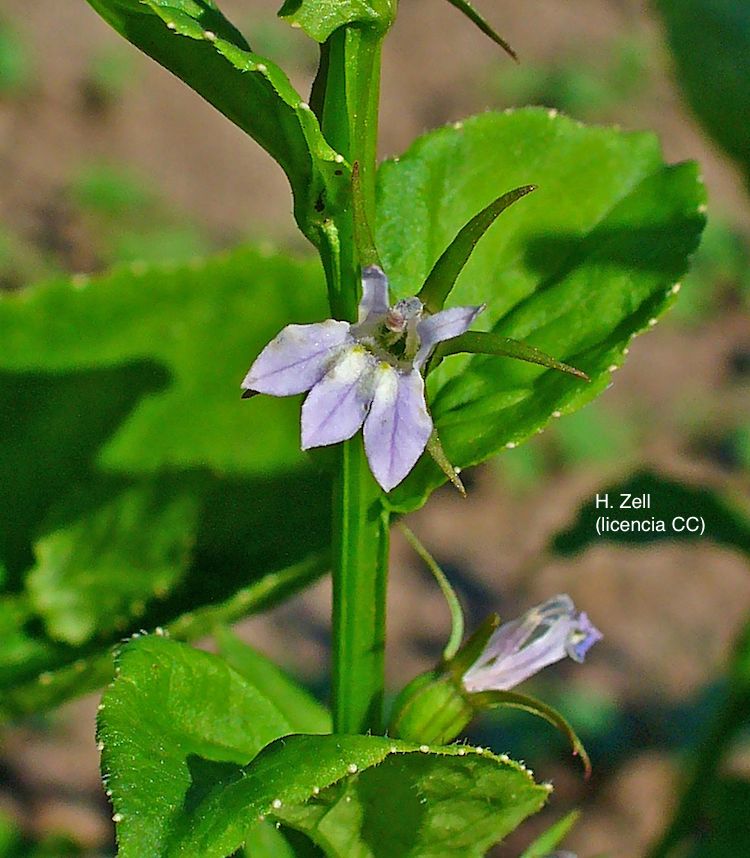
105,159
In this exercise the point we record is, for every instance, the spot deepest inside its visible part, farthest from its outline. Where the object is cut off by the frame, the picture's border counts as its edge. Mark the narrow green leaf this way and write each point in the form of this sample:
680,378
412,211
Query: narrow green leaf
479,342
516,700
444,274
552,837
476,18
197,43
454,606
303,712
319,18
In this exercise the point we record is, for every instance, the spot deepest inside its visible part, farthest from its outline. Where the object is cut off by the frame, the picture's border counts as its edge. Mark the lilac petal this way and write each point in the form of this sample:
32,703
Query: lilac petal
583,637
337,405
398,426
297,358
514,669
374,303
518,649
513,635
443,326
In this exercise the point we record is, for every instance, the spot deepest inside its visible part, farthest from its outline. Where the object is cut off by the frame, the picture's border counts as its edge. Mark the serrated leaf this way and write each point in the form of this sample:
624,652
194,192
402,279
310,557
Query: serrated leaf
195,41
180,731
175,720
121,394
576,270
400,801
727,520
710,42
303,712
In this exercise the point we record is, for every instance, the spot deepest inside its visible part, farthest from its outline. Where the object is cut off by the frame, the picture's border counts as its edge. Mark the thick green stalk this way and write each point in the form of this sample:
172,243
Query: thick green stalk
360,558
347,101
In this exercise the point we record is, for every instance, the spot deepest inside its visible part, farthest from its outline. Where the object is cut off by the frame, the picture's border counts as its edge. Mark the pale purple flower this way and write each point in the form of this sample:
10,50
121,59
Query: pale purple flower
368,372
518,649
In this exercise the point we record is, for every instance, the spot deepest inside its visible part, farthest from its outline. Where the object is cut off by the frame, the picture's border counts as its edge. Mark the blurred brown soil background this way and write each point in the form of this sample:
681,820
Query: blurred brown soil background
669,612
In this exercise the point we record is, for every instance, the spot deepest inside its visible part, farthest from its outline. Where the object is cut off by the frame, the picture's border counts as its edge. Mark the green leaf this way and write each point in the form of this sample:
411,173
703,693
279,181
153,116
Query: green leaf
319,18
58,673
526,703
441,280
195,41
138,488
576,270
727,520
264,840
476,18
710,42
369,796
552,837
174,720
111,560
180,731
299,707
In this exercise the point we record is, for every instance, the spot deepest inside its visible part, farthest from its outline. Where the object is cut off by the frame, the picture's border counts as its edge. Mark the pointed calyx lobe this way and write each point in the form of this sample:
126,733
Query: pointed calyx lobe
363,373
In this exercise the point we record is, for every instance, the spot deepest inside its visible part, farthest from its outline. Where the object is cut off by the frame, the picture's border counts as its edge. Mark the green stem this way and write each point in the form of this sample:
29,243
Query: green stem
360,566
346,95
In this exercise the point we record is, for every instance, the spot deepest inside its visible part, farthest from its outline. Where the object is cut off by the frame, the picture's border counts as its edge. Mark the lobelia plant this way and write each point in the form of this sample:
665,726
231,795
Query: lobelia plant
207,754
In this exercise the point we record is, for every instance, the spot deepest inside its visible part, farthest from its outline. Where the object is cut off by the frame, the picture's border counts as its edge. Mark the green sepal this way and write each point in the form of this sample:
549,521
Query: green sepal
435,449
487,343
515,700
476,18
431,709
445,271
320,18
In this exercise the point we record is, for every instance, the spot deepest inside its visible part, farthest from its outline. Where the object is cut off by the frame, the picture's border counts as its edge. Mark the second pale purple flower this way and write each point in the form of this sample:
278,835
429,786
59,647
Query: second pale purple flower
365,373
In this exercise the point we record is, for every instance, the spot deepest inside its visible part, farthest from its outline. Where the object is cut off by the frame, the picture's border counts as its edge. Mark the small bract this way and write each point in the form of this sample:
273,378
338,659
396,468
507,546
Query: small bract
369,372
